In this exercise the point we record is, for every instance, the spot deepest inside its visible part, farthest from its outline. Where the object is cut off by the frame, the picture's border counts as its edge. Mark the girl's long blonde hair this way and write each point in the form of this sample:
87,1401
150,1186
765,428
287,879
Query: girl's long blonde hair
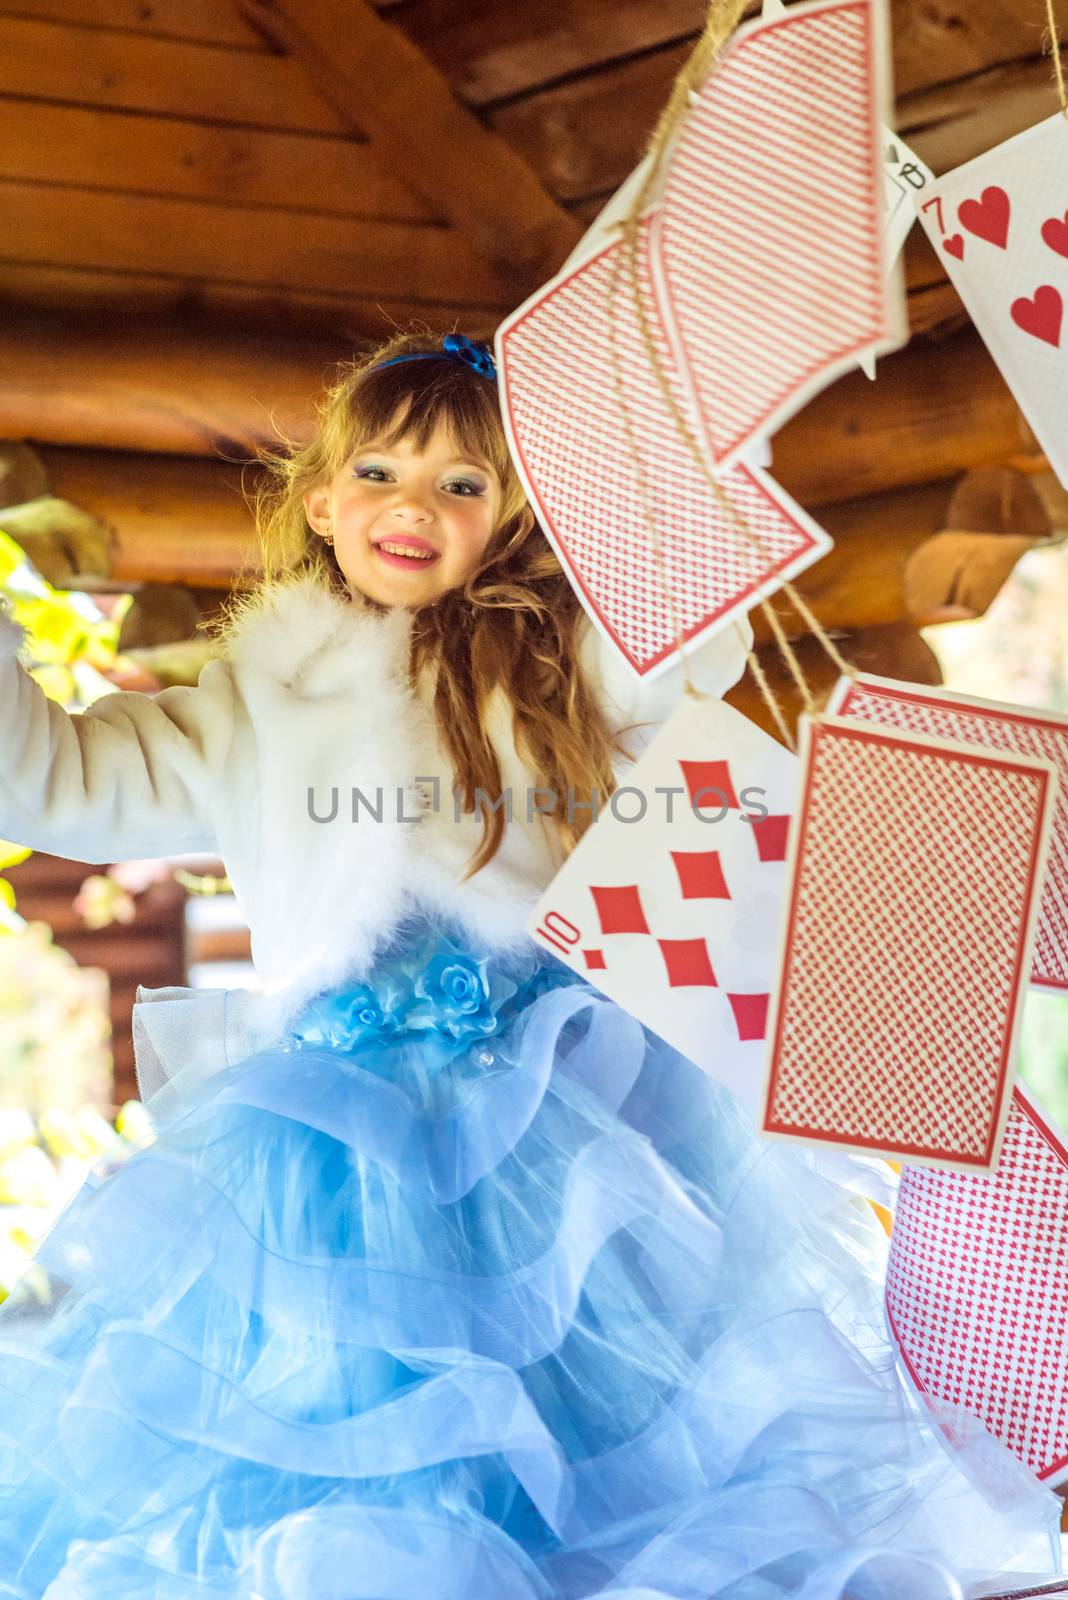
514,622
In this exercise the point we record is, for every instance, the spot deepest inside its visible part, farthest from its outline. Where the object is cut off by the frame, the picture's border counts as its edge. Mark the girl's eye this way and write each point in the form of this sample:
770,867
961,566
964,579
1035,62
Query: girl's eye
370,472
465,486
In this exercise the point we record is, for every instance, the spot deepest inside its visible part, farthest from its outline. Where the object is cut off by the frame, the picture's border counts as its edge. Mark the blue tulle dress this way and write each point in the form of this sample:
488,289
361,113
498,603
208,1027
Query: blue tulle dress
473,1289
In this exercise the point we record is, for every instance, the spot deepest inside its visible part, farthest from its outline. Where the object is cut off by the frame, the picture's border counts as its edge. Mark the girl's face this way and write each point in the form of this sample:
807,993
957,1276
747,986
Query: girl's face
408,525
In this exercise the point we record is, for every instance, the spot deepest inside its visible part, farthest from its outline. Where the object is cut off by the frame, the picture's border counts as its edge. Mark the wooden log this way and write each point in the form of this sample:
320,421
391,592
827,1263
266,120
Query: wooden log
572,134
860,582
203,20
919,555
490,51
22,474
163,76
173,520
934,410
70,547
952,122
141,302
179,520
181,388
954,576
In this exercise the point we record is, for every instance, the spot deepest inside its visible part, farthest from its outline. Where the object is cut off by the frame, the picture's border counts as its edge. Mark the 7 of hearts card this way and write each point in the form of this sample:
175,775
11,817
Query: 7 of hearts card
999,224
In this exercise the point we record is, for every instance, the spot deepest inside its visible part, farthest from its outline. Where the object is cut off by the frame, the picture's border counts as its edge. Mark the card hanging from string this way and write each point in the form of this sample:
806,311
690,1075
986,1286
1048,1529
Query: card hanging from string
869,1047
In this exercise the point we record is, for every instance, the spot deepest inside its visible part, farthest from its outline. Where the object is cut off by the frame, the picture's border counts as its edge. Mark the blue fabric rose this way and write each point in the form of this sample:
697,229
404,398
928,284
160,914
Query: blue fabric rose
455,995
346,1019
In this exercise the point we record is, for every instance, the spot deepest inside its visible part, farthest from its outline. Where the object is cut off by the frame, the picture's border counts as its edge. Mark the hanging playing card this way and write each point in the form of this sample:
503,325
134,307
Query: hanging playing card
916,868
1016,729
977,1289
769,256
905,178
593,470
1000,226
673,915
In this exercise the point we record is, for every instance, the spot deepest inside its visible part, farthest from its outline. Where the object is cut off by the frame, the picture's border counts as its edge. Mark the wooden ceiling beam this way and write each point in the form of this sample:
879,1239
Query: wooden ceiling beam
490,52
176,520
171,519
372,76
934,410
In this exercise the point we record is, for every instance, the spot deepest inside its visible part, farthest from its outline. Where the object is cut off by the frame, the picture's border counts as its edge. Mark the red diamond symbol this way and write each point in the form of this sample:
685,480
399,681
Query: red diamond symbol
770,835
595,959
750,1014
713,776
687,963
700,875
620,910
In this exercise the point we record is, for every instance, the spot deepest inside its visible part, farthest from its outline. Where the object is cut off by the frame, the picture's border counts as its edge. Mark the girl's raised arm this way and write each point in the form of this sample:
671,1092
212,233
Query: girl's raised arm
132,775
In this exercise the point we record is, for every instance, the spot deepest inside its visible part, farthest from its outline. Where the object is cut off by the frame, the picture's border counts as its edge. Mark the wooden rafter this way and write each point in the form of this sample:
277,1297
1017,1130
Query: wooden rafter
374,79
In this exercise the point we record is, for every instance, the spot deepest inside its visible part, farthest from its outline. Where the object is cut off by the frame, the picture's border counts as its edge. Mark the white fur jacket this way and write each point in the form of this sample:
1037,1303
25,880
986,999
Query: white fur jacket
309,698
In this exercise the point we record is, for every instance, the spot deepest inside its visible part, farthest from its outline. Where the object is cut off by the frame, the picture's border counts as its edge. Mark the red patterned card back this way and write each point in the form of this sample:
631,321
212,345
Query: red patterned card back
915,871
1020,730
977,1289
768,248
560,400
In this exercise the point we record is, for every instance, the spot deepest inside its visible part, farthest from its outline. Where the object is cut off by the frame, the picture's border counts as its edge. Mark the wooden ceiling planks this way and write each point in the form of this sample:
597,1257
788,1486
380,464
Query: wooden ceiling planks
231,245
189,160
95,66
154,153
188,114
492,198
207,21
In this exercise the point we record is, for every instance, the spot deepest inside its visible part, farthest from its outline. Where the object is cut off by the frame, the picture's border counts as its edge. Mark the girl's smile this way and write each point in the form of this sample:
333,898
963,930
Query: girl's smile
408,524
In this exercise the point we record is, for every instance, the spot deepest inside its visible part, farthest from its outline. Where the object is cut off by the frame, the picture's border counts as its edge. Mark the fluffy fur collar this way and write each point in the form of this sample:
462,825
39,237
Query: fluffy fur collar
301,634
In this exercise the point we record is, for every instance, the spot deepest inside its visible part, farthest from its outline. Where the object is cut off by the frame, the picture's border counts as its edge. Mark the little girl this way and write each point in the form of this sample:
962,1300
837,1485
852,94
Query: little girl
444,1278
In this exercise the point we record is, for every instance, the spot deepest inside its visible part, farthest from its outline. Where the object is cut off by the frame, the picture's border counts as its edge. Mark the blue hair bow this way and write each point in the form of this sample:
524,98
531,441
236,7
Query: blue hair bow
476,356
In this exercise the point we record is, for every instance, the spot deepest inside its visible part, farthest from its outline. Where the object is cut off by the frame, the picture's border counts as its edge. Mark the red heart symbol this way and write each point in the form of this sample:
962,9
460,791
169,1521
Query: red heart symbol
1055,233
1040,317
954,246
987,218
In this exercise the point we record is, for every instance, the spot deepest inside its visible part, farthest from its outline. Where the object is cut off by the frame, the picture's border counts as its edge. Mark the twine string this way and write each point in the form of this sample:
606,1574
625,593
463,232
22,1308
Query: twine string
643,485
722,19
1055,52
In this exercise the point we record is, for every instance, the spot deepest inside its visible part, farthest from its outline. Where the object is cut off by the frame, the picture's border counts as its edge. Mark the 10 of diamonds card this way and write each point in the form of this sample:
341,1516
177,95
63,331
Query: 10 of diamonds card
999,224
670,901
916,871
